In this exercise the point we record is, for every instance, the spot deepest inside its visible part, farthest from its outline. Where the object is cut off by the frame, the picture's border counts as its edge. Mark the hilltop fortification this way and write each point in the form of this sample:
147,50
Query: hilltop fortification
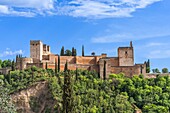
41,56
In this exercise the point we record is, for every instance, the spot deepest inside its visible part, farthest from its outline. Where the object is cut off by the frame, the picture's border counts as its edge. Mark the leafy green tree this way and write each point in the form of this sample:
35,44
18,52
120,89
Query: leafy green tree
155,70
93,53
6,105
68,53
165,70
6,63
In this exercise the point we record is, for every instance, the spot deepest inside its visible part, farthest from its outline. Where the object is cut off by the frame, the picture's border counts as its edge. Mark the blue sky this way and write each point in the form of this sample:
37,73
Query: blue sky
100,25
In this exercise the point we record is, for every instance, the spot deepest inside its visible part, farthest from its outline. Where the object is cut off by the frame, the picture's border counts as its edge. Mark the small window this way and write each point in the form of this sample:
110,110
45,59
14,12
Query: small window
126,54
33,44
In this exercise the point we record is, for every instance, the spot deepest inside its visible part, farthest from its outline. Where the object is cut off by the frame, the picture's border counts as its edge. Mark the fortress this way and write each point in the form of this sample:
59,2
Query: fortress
41,56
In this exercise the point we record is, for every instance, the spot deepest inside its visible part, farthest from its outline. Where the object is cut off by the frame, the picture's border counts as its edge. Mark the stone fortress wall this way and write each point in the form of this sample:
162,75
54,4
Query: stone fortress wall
40,55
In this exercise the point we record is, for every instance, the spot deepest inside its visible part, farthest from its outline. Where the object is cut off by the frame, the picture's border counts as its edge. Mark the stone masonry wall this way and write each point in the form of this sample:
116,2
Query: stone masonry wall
126,56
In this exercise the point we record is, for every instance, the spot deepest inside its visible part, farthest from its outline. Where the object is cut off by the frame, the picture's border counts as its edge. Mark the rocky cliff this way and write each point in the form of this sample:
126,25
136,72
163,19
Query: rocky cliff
35,99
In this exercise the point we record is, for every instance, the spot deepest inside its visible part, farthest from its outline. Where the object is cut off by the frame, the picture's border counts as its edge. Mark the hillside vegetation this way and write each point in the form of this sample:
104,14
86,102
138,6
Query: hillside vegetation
83,92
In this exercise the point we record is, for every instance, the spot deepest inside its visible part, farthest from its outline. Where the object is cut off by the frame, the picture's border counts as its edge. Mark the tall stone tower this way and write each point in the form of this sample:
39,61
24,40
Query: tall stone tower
126,55
36,49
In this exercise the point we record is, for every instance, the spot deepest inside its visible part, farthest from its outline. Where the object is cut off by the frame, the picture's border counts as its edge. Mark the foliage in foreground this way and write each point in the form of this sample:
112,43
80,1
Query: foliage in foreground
84,92
6,105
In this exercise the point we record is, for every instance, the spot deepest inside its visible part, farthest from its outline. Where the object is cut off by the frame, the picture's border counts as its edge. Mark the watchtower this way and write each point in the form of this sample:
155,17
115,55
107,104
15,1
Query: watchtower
36,49
126,55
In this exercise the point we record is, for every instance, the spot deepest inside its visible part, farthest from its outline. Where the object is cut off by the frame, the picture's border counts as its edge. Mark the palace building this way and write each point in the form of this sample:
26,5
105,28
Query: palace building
40,56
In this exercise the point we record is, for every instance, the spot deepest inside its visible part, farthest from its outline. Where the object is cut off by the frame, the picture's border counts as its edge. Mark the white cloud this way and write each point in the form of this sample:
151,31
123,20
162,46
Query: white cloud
77,8
103,8
26,8
152,44
37,4
9,52
126,37
159,54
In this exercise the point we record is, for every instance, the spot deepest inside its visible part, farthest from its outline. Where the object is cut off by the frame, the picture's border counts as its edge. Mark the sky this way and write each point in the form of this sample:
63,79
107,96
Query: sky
100,25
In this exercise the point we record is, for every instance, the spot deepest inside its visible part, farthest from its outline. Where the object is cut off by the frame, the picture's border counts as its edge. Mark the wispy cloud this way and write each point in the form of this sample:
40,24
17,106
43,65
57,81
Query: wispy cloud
159,54
126,37
93,9
9,52
154,50
153,44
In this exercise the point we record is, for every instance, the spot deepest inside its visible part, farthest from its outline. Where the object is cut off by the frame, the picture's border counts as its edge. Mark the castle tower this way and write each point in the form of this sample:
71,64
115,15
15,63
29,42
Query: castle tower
36,49
126,55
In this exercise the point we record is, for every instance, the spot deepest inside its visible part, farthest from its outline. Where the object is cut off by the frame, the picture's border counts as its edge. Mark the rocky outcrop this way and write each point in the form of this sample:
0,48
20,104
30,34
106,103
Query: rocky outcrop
35,99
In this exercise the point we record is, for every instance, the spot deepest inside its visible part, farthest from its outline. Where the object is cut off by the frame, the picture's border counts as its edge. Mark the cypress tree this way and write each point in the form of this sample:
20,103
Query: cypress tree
13,65
16,57
58,63
62,51
56,69
73,51
67,93
83,50
76,73
9,78
32,76
104,71
46,66
148,63
66,67
148,66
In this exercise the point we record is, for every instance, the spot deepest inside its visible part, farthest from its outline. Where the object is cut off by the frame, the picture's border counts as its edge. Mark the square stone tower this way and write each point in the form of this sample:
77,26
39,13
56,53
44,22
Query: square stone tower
36,49
126,55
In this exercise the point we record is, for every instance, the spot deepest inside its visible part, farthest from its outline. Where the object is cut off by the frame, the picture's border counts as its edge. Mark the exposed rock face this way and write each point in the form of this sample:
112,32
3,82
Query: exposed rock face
35,99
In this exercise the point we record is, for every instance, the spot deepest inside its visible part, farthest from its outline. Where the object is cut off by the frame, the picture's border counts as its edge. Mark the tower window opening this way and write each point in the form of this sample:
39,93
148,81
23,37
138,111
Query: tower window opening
126,54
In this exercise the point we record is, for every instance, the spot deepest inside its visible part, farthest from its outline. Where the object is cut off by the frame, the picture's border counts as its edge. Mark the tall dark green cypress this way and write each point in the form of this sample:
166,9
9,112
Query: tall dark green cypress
66,67
13,65
67,93
46,66
148,63
73,51
83,50
76,73
147,66
62,51
56,67
58,63
9,78
104,71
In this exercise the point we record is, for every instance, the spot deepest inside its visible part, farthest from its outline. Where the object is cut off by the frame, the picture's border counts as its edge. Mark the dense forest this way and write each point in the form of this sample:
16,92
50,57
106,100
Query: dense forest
82,91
